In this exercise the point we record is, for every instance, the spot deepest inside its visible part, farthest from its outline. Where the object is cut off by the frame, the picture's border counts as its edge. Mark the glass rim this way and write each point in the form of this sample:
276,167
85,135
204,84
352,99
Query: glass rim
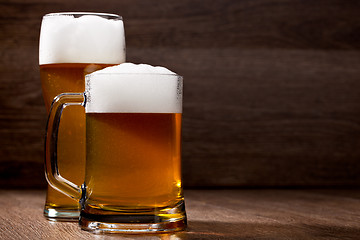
80,14
124,73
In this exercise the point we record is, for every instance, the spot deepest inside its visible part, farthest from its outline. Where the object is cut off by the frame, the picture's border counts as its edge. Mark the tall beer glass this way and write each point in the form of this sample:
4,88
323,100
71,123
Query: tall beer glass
71,46
133,164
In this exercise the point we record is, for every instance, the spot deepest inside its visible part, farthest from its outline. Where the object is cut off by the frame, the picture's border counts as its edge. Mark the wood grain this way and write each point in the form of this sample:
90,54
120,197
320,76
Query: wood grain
320,24
254,122
212,214
271,87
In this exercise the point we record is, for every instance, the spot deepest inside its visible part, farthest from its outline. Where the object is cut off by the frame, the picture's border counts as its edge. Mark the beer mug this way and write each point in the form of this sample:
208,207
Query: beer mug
71,46
133,155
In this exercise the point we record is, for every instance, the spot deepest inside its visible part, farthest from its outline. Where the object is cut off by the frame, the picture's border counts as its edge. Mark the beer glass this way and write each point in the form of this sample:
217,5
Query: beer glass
71,46
133,161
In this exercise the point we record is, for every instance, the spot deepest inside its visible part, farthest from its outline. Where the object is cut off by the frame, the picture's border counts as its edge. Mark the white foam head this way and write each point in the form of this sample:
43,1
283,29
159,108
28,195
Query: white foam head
82,38
133,88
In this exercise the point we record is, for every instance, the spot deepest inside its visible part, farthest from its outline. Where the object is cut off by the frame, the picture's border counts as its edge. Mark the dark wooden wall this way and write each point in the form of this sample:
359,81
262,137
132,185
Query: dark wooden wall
272,87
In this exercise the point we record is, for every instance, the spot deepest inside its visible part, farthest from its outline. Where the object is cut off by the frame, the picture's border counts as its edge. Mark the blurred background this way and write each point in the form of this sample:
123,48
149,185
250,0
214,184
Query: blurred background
272,87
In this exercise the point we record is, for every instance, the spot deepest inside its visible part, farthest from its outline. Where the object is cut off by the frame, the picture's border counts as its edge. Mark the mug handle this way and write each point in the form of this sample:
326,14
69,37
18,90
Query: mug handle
52,173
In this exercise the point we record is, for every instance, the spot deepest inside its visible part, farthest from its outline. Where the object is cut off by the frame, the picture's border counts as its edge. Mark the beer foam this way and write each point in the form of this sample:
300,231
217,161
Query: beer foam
65,38
135,68
134,88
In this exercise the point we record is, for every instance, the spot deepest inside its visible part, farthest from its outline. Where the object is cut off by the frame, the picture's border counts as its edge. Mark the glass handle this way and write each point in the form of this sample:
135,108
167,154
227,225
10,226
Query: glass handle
52,173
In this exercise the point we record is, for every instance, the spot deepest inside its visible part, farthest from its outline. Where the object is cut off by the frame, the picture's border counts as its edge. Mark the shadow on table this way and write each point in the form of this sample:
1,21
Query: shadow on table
223,230
239,231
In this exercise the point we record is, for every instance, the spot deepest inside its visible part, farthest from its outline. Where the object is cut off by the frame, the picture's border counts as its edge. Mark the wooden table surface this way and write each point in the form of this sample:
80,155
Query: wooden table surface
212,214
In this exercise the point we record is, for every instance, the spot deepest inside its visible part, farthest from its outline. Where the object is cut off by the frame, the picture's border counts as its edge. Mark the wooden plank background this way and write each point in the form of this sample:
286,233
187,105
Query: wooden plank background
272,87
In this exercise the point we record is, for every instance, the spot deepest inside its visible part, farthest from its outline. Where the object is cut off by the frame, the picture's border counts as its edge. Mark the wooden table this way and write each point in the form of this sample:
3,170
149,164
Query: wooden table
212,214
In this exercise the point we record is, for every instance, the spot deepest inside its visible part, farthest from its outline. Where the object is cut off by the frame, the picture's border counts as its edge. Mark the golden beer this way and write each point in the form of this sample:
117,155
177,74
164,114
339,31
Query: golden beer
133,150
133,161
71,46
56,79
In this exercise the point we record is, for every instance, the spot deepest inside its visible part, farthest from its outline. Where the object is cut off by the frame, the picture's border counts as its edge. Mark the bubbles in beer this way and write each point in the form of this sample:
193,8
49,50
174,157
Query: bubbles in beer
65,38
134,88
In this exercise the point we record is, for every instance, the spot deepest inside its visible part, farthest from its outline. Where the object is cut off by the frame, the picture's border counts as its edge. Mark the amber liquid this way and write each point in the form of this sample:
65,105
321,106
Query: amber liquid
132,162
62,78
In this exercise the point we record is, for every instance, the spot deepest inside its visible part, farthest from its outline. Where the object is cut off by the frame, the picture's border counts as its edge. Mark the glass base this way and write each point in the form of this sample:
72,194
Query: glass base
61,215
155,221
132,228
